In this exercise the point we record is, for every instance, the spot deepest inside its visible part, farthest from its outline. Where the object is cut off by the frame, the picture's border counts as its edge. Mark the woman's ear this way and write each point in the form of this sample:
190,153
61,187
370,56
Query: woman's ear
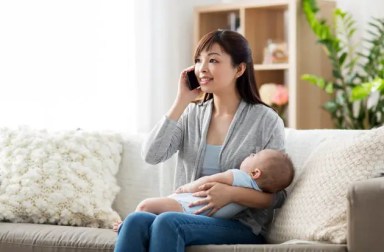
241,69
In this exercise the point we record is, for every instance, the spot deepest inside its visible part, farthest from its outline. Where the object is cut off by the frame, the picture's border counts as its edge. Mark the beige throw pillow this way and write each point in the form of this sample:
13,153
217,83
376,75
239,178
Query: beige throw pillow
316,208
65,178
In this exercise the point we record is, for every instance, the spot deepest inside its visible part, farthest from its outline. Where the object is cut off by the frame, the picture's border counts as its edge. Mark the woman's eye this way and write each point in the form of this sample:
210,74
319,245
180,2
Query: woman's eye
197,61
213,61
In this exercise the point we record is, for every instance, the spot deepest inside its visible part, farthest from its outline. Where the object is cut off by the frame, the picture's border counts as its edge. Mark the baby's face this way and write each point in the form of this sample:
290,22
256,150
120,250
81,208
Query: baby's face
250,163
254,160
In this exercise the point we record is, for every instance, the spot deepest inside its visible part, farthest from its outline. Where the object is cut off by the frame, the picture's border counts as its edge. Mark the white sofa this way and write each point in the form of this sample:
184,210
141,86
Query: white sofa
139,180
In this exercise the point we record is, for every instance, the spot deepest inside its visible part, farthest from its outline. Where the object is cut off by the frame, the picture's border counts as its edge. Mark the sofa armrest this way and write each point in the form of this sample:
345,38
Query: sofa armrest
366,216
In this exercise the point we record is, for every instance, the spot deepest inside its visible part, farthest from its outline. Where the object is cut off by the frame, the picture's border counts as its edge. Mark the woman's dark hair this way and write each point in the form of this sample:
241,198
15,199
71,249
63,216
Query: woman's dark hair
237,47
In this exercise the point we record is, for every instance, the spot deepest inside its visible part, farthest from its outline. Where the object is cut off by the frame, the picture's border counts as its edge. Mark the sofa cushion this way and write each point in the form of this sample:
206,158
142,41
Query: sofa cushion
269,248
18,237
316,206
65,178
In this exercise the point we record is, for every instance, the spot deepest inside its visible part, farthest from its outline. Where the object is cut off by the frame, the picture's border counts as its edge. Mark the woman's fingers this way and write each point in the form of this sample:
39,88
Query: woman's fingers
199,202
190,68
207,186
212,198
202,210
211,210
200,194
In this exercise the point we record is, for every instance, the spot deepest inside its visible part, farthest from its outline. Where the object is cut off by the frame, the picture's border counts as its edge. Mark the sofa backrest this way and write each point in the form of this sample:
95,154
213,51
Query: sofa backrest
139,180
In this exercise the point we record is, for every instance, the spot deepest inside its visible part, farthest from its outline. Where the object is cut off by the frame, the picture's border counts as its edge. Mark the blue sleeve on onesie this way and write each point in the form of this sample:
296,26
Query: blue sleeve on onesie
243,179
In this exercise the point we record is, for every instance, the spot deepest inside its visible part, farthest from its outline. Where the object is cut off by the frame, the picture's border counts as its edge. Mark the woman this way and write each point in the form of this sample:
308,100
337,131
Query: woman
226,127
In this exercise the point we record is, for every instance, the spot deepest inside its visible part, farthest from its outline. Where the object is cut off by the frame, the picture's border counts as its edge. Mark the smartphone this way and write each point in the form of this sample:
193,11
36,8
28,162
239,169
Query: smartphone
193,83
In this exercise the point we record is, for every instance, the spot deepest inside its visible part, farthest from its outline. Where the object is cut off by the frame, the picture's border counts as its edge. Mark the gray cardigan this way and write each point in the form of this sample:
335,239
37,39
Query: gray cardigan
253,128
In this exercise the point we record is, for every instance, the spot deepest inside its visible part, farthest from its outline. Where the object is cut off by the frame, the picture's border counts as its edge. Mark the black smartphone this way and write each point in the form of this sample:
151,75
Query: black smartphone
193,83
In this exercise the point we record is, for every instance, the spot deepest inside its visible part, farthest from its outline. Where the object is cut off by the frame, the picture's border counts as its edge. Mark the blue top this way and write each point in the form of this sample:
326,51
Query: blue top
211,160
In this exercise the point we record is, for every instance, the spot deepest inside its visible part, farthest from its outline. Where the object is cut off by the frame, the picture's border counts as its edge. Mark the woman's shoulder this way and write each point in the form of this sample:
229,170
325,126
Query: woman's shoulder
261,110
262,116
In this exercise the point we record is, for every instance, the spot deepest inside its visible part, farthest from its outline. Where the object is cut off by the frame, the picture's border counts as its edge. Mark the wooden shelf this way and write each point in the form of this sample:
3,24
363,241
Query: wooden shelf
266,67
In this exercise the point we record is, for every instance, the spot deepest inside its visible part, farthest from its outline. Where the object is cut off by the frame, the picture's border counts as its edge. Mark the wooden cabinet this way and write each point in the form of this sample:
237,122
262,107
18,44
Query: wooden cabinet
261,21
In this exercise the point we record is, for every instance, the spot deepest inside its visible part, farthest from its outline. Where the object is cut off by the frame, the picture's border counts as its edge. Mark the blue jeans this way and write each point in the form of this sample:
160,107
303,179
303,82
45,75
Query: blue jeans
172,232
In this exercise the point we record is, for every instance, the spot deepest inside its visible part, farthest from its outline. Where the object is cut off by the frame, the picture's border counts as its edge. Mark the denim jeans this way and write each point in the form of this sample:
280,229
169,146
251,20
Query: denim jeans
172,232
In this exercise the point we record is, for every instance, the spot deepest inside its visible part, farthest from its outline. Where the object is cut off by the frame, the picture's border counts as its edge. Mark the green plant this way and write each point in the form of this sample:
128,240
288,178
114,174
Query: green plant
357,88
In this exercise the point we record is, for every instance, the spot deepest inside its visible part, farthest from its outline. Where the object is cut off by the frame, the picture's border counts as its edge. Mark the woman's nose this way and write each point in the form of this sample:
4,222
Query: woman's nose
203,67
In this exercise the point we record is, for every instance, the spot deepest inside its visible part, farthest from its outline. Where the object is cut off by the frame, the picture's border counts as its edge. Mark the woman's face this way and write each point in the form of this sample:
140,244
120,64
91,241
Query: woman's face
215,71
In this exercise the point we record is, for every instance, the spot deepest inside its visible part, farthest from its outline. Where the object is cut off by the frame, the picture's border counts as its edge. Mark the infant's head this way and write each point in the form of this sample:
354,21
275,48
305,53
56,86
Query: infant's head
272,169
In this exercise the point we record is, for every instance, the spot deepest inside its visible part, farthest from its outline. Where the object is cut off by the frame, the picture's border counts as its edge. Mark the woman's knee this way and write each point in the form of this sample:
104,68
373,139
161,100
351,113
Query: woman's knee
167,232
168,220
134,232
138,219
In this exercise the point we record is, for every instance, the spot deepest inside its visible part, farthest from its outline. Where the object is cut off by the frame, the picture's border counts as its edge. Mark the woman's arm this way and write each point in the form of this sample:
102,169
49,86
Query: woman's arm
194,186
250,197
217,195
165,138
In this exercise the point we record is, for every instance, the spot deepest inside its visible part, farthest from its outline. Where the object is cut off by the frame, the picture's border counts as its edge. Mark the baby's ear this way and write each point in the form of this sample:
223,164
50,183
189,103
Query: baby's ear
256,173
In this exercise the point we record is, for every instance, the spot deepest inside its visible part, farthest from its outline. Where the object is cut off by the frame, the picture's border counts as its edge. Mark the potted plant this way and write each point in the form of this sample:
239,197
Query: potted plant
357,88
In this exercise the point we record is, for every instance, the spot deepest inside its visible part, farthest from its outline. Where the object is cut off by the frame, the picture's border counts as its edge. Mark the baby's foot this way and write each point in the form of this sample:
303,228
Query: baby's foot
116,226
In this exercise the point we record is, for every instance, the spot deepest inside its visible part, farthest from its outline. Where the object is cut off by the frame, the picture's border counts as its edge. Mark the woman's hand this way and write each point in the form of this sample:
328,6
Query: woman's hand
184,96
217,195
184,93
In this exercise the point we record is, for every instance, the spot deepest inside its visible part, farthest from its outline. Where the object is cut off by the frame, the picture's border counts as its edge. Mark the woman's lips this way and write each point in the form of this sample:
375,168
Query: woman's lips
205,80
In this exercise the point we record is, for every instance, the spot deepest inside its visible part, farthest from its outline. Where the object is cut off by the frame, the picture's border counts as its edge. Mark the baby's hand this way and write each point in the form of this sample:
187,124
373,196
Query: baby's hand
189,188
182,189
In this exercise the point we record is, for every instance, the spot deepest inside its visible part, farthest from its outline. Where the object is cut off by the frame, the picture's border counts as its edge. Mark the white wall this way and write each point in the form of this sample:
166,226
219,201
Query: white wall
63,64
87,64
362,12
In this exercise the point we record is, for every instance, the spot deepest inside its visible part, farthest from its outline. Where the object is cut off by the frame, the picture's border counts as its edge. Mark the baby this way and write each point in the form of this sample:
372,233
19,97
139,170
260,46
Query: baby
268,171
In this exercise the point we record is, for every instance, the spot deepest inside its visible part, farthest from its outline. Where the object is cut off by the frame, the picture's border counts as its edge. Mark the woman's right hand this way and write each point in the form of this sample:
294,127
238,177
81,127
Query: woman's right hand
184,94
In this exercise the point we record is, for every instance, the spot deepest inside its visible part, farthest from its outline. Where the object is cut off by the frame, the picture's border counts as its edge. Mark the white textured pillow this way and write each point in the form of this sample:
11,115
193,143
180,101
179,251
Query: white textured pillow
64,178
316,208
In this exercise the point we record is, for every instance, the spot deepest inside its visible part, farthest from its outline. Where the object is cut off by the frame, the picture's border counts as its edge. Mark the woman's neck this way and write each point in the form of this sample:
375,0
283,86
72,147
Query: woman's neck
225,105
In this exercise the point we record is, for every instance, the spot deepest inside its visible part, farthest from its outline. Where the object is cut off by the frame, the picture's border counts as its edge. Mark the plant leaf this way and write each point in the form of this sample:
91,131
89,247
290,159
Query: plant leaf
361,92
313,79
329,88
342,58
330,106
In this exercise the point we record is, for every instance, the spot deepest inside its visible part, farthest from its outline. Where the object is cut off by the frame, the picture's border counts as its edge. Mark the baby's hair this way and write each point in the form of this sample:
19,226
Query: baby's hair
278,172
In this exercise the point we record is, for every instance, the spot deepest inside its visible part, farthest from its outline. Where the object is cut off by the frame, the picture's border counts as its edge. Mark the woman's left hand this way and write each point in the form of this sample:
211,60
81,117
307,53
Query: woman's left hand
216,195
